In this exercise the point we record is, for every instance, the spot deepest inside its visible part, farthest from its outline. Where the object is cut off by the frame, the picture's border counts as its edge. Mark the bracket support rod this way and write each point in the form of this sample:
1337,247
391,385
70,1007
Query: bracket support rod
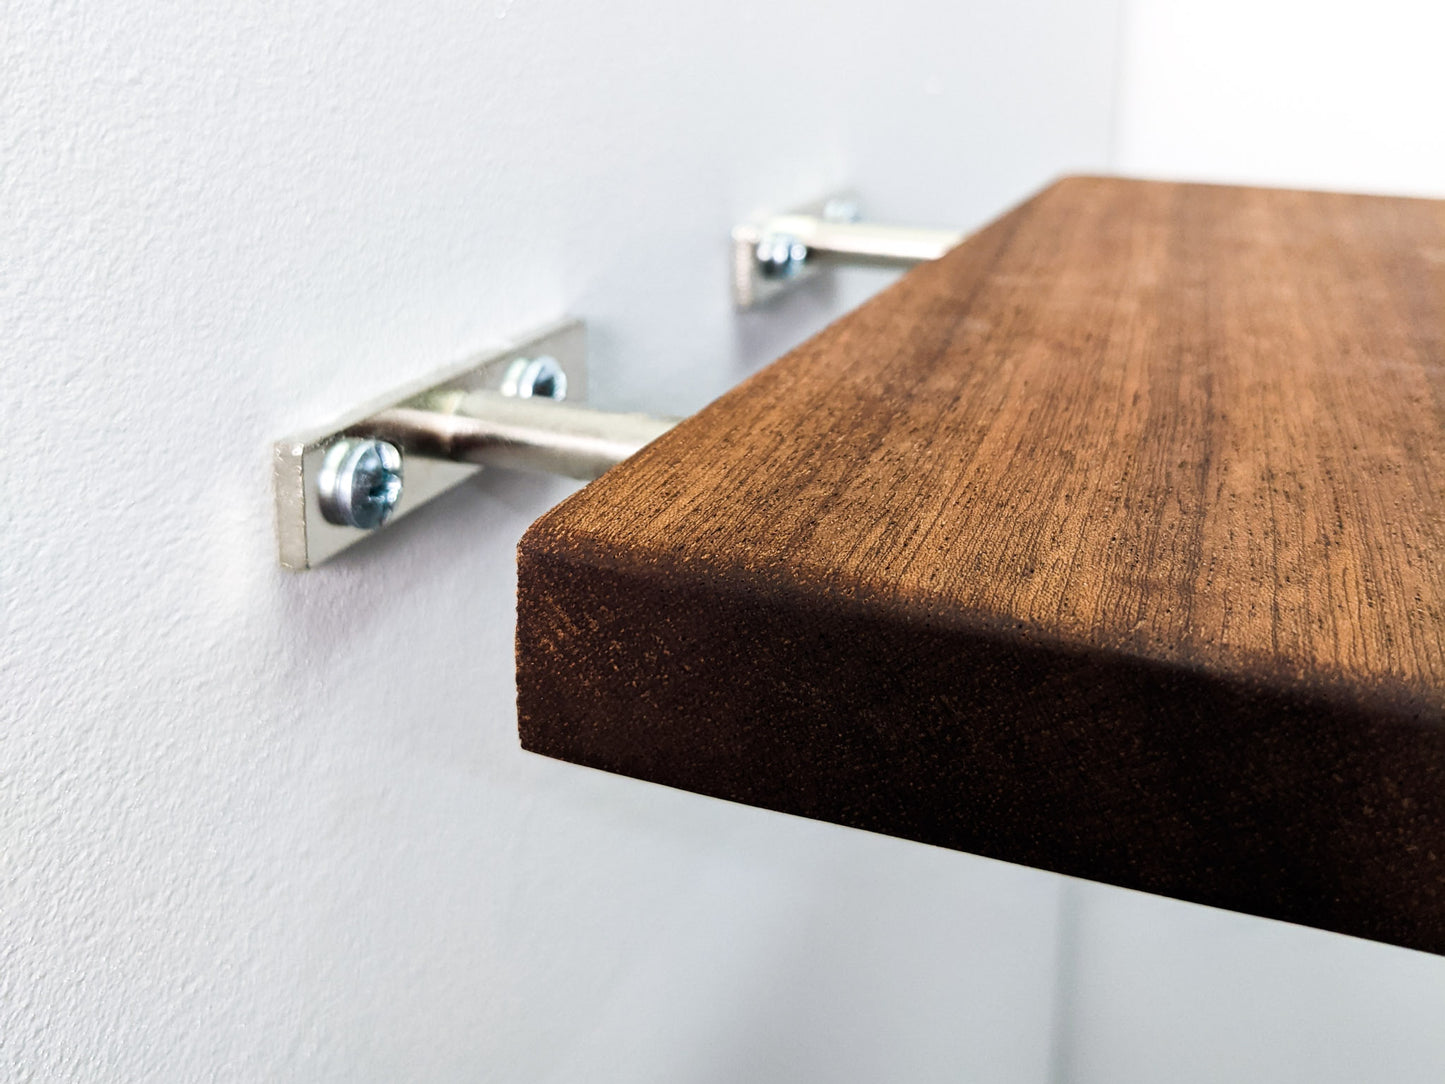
776,253
869,244
488,429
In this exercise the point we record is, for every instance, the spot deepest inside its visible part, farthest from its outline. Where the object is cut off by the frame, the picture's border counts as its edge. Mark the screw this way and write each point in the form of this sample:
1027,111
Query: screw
841,209
360,483
780,256
535,378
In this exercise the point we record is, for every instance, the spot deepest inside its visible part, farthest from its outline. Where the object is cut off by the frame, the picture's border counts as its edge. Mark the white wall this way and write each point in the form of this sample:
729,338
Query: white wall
1303,93
1164,991
269,827
1318,95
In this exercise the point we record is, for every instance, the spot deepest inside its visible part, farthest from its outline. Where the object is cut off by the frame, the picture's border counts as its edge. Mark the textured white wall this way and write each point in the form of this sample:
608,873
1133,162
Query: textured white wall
269,827
1316,95
1164,991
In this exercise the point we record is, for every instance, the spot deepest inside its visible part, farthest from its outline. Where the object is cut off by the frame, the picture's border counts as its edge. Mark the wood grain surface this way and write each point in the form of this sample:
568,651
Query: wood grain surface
1109,544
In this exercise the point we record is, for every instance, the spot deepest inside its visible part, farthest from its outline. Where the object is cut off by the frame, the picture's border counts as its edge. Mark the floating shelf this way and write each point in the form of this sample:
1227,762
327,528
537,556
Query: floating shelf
1111,543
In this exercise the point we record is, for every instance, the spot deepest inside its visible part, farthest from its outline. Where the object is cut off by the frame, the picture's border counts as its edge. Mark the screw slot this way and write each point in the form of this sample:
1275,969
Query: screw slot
535,378
360,483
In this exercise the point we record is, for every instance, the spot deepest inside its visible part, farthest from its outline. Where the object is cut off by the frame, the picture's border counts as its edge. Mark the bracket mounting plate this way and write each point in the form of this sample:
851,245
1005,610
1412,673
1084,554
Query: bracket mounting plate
750,286
305,538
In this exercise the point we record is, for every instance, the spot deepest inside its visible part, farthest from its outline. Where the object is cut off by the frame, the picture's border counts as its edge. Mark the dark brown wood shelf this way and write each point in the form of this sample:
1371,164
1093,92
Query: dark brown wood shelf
1110,544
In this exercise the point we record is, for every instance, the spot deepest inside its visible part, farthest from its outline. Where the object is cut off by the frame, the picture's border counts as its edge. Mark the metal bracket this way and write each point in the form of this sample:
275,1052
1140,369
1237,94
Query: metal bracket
308,534
779,252
336,485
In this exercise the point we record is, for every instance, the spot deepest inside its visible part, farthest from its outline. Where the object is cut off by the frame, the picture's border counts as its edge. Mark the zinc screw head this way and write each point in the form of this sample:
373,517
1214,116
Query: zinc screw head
780,256
841,209
535,378
360,483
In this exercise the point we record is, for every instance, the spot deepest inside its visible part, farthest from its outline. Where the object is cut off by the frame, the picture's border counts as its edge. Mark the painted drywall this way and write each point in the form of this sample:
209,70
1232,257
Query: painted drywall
1300,93
1315,95
261,826
1158,990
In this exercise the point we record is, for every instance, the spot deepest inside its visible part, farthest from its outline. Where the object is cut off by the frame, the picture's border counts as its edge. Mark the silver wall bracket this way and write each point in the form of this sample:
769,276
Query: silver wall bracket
308,533
337,484
779,252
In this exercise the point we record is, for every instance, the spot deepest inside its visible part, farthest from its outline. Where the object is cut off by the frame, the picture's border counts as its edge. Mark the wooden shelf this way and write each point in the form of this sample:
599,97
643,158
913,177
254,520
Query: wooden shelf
1113,543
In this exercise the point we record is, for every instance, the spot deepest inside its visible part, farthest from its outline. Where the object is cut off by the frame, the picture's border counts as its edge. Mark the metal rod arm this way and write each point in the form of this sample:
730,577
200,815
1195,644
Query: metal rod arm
865,242
495,430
